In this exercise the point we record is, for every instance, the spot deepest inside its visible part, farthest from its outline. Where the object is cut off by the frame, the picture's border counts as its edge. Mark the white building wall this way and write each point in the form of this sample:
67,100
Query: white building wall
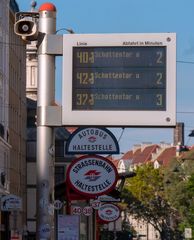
143,228
124,165
31,71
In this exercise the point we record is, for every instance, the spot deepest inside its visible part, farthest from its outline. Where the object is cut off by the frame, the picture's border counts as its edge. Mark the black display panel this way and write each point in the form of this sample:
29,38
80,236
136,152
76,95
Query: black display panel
119,78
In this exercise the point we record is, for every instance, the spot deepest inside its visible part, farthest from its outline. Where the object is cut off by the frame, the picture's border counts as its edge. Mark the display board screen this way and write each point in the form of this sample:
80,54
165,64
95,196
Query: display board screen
119,78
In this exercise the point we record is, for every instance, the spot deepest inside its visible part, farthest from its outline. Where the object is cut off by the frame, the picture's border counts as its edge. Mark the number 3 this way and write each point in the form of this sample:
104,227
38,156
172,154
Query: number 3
159,99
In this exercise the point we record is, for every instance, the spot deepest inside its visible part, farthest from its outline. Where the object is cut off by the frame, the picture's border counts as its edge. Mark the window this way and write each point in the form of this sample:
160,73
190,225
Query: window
31,150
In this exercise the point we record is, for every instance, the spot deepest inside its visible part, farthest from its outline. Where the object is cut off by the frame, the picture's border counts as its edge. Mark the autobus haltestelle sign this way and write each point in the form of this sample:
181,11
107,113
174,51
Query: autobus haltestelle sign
92,175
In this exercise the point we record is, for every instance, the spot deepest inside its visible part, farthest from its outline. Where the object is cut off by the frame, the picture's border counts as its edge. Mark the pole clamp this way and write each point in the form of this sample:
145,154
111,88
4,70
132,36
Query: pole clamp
49,116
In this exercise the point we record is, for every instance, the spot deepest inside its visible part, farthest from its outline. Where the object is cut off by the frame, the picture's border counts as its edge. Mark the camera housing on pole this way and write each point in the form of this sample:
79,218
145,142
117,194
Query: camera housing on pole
26,25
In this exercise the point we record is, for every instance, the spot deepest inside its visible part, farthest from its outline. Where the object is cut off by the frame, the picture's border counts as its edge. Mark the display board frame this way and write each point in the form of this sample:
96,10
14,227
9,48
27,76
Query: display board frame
100,114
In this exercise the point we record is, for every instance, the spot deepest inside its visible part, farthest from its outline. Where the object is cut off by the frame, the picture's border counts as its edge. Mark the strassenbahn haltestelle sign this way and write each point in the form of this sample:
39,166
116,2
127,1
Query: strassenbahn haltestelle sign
92,175
129,73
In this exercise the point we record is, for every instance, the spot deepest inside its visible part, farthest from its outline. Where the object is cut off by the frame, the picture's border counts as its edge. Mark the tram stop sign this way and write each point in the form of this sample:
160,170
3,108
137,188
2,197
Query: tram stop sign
92,175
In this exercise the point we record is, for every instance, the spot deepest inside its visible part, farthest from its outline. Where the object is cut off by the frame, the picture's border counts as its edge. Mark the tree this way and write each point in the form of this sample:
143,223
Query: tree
190,188
145,197
179,188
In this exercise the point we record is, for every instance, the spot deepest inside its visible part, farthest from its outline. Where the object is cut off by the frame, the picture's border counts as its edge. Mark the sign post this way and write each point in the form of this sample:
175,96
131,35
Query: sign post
45,140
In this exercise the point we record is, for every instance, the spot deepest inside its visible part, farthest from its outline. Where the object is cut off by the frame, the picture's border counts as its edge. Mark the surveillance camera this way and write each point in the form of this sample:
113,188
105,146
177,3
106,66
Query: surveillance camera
27,29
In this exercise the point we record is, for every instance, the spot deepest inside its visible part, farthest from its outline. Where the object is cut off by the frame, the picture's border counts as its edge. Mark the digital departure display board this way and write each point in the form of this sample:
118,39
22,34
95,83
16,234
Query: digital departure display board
119,79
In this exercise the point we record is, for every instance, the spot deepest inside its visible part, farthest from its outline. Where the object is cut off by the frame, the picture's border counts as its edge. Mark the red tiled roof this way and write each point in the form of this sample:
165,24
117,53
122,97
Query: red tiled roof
111,158
145,155
137,152
116,163
166,155
128,155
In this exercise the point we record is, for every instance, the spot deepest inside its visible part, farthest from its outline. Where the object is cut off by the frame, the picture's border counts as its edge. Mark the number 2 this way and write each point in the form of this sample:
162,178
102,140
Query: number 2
159,57
159,78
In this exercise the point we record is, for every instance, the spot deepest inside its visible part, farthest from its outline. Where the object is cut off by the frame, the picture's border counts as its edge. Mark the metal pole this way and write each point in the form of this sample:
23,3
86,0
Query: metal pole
115,231
94,225
147,231
45,139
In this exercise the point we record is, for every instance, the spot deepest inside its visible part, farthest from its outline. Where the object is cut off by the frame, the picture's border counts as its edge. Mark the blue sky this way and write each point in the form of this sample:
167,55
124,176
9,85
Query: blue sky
138,16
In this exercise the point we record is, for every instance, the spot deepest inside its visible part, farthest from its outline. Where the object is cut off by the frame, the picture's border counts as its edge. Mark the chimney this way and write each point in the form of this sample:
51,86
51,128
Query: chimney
179,134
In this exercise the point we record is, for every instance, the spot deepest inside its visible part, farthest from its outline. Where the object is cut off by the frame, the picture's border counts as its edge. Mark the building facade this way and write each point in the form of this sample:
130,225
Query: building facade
17,122
4,94
4,103
12,122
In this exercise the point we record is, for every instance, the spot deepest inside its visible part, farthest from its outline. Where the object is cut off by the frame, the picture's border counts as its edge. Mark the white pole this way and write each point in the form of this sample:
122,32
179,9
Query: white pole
45,140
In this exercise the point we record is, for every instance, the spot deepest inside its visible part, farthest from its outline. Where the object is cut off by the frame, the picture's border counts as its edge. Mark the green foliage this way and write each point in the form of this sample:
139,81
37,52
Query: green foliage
164,197
146,184
147,200
190,189
179,189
